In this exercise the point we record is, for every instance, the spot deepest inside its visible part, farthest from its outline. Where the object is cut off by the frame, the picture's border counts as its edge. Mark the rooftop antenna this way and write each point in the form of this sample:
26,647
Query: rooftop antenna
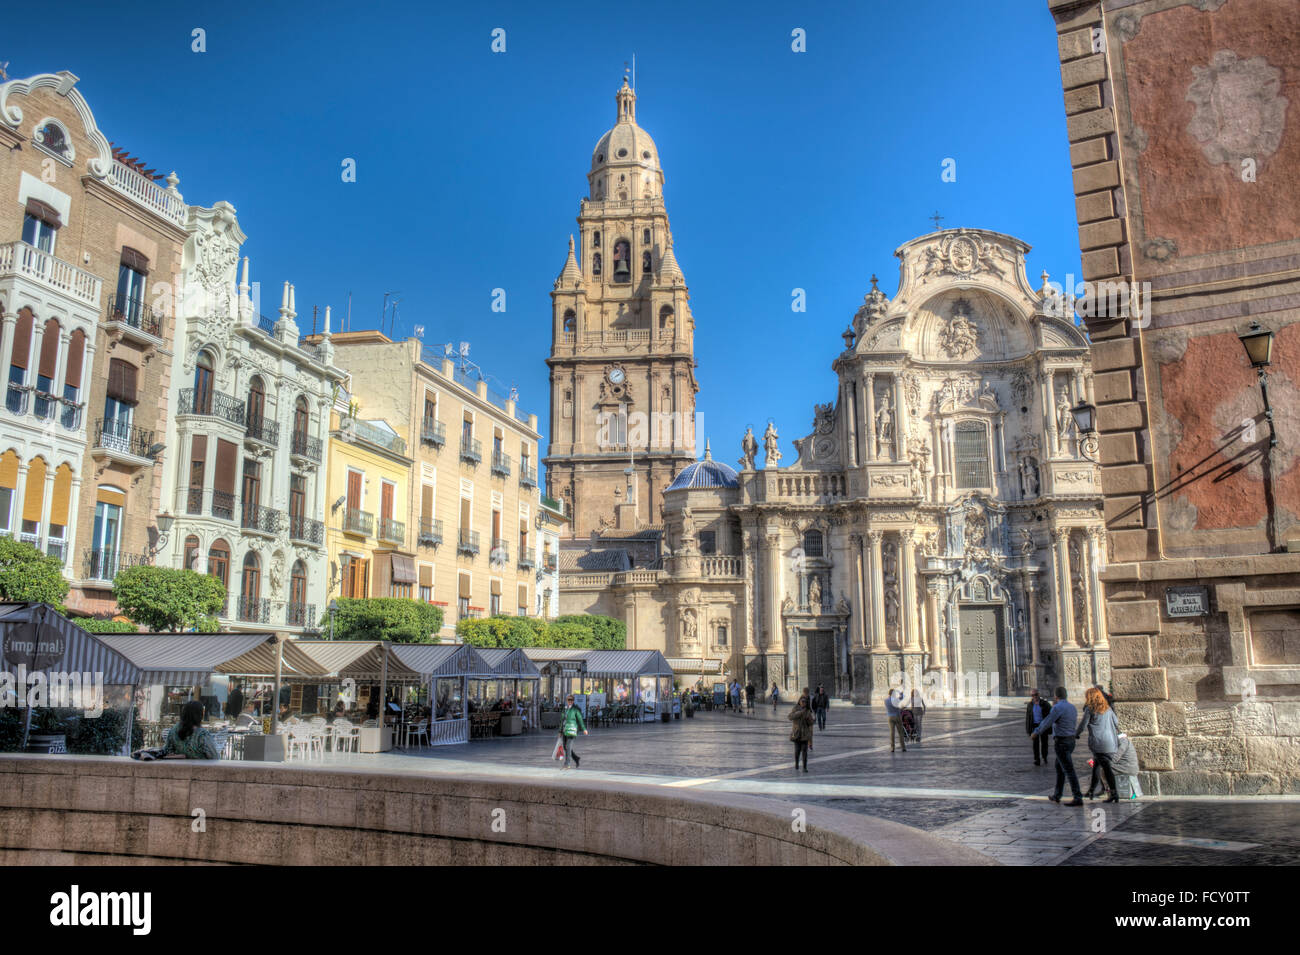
348,324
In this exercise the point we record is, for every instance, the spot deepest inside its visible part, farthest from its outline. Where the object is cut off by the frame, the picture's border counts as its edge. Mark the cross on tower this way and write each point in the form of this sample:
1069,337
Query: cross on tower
937,219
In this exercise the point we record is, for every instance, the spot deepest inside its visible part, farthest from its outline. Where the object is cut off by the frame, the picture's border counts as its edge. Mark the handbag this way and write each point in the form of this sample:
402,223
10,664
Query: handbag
558,752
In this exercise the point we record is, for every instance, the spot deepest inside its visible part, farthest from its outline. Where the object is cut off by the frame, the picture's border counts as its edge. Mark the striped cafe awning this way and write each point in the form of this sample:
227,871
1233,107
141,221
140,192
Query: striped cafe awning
186,659
83,652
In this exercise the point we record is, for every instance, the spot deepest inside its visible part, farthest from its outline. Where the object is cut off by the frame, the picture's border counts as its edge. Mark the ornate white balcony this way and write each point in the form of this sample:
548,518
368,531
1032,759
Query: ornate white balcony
29,262
147,193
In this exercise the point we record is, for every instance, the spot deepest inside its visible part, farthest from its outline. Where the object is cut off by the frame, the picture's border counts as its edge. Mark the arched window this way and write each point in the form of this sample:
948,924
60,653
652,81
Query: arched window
645,263
813,545
595,264
665,318
570,321
970,445
256,404
622,261
645,236
219,562
71,417
297,610
190,555
250,588
301,421
16,400
203,383
595,240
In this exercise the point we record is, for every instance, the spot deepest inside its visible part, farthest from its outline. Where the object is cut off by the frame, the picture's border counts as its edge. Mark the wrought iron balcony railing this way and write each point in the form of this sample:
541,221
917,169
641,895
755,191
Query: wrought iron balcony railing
358,522
194,500
16,398
305,446
133,313
212,404
471,449
500,464
391,531
300,615
527,477
223,505
253,609
255,517
433,431
263,429
57,547
112,434
306,529
105,564
430,531
468,543
526,560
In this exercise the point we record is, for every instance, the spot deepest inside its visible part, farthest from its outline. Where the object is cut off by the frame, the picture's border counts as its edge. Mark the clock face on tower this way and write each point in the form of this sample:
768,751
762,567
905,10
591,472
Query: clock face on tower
616,376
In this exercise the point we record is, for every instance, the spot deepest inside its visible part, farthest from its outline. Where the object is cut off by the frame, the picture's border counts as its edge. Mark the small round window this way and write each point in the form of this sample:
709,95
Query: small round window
622,153
646,154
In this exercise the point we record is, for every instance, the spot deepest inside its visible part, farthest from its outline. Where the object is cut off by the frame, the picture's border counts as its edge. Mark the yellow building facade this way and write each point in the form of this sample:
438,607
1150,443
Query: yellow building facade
367,501
474,521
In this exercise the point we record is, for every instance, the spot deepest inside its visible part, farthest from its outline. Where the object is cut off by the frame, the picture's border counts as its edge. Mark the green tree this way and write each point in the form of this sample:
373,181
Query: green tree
607,633
161,598
503,631
28,575
398,619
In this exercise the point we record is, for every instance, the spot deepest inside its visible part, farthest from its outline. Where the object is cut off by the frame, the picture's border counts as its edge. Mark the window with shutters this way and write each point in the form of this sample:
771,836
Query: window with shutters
298,586
190,559
301,421
970,446
120,400
46,368
71,417
250,588
219,562
16,398
256,404
813,544
128,305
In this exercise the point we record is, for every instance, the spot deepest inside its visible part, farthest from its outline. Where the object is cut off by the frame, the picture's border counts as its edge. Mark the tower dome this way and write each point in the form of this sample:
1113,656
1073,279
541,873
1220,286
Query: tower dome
706,473
625,162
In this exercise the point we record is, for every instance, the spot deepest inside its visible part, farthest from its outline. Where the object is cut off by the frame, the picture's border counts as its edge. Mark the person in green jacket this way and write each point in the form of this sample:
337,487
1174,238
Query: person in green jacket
569,727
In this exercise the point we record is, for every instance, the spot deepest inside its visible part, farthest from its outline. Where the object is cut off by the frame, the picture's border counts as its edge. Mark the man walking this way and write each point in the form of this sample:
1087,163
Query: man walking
573,724
894,710
821,703
1036,711
750,692
1063,720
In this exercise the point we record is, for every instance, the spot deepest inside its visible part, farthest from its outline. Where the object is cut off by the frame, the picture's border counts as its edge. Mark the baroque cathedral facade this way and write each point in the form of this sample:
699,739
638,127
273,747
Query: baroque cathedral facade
942,520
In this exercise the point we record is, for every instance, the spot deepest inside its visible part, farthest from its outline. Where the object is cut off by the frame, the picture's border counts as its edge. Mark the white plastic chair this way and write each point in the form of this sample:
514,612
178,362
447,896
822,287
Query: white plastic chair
300,737
418,732
346,736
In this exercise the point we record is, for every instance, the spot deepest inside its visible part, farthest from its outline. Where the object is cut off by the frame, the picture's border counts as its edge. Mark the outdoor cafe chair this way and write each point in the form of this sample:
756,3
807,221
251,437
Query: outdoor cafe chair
346,736
222,743
300,737
418,731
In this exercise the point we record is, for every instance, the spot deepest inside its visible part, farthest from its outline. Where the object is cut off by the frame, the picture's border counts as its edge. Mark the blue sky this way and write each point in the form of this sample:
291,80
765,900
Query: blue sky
784,170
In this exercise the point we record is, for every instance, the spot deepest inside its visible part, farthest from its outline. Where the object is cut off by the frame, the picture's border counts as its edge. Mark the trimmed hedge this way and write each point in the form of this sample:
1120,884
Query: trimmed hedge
398,619
572,631
94,625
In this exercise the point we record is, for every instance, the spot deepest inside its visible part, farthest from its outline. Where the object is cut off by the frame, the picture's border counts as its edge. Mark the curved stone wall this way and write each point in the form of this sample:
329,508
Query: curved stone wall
87,810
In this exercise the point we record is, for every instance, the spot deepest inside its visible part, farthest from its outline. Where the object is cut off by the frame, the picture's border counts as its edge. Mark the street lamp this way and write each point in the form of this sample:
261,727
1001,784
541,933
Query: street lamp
333,609
1258,342
1085,419
164,523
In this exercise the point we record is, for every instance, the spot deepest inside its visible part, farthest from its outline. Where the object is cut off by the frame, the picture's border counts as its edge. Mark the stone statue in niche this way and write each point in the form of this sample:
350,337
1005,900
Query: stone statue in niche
1065,425
1029,485
1027,546
787,605
960,339
977,528
815,594
884,421
771,443
688,628
930,548
748,450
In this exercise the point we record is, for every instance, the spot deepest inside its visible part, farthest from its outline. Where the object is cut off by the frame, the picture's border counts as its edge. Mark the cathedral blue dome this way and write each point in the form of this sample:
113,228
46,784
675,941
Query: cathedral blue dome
706,473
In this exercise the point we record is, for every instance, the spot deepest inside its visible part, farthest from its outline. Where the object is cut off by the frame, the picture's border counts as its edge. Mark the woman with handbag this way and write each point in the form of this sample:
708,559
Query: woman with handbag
570,723
1103,739
801,733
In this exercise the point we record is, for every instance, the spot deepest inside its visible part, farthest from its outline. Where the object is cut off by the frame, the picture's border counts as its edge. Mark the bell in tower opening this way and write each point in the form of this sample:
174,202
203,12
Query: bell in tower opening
622,256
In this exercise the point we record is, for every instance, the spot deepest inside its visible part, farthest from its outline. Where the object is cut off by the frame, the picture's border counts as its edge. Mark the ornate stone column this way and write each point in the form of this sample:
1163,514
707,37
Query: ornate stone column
852,423
1064,600
775,632
877,591
1049,409
859,594
1099,637
873,451
900,419
70,531
907,590
10,320
46,502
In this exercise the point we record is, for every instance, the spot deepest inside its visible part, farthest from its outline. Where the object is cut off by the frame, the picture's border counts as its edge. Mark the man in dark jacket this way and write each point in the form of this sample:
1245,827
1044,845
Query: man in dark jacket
235,702
1036,711
821,703
1063,722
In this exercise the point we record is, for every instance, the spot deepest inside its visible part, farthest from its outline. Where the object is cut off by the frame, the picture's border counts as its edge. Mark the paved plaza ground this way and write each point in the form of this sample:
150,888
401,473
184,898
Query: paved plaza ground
971,779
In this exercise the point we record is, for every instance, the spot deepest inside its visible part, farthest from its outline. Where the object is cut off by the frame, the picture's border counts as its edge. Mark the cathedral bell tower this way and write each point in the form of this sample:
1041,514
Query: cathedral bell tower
622,342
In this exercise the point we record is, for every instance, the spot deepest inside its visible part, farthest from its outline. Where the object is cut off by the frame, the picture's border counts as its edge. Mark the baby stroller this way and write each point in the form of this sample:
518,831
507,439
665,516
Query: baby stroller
907,719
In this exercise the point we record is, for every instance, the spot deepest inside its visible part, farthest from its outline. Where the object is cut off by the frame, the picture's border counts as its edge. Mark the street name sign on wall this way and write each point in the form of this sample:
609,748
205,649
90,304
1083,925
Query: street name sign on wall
1187,601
